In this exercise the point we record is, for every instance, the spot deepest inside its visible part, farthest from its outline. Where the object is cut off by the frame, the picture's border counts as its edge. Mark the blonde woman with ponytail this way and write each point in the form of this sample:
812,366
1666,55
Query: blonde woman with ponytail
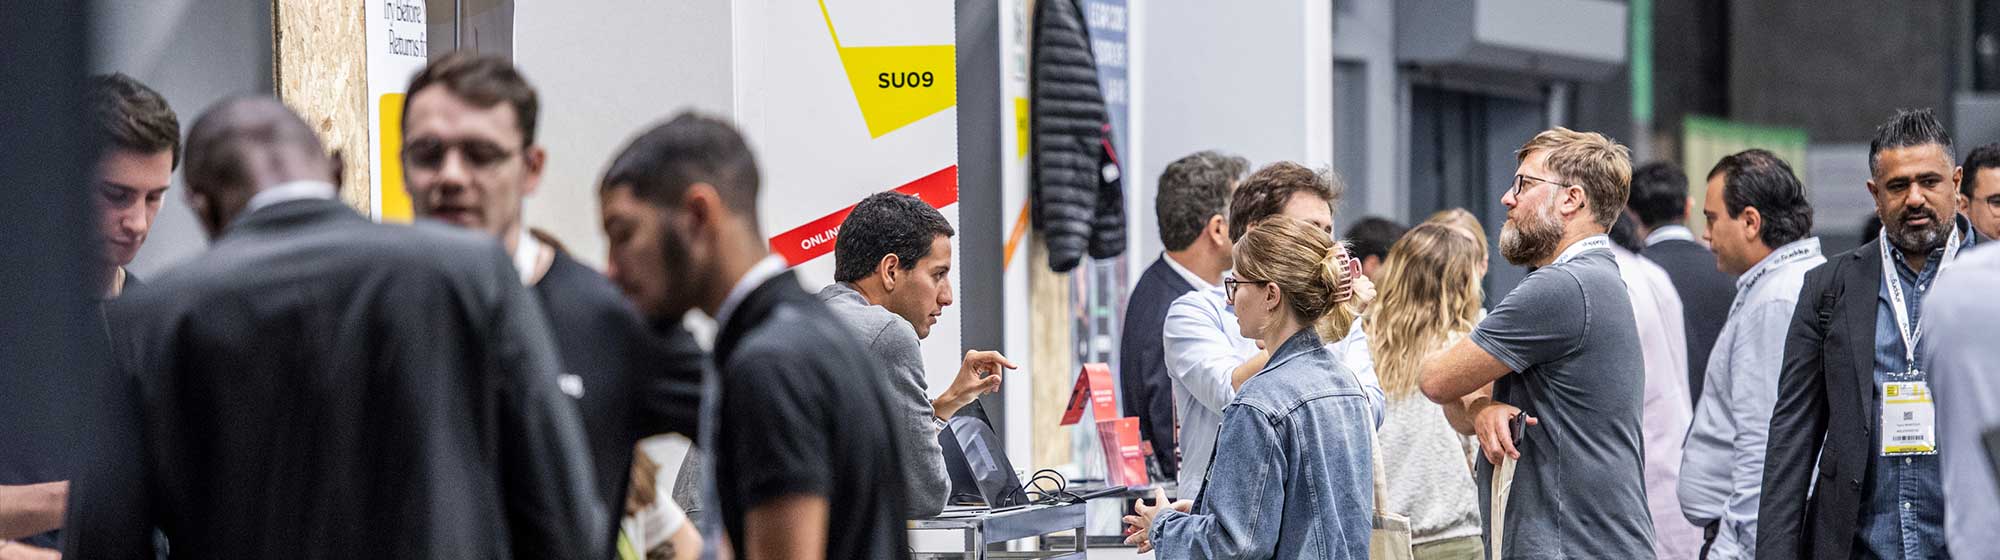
1292,476
1428,299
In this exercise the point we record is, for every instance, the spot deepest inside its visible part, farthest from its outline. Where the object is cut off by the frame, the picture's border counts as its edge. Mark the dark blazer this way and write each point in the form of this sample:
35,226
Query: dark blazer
635,383
1826,391
317,385
1705,297
803,409
1147,388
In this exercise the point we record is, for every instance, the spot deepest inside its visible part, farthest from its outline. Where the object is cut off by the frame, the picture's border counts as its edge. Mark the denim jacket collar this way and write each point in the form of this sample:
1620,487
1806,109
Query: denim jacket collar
1302,342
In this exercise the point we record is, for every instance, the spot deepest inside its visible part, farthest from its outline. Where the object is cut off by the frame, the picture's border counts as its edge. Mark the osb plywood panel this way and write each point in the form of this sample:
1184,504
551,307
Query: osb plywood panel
1053,369
321,68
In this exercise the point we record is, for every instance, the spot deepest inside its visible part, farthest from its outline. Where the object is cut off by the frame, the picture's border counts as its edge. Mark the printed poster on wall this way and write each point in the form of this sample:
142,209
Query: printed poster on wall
398,47
842,99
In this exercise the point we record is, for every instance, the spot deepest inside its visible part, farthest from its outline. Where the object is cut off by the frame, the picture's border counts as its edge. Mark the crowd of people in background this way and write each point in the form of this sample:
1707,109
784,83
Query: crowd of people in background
318,385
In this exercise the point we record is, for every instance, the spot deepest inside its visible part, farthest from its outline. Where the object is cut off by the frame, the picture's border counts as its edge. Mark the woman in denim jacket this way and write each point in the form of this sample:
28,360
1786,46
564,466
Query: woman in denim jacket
1292,475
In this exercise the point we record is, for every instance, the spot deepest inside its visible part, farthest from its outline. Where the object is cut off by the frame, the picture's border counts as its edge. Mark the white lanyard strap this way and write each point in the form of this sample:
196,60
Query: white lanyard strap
1775,262
1911,333
1585,245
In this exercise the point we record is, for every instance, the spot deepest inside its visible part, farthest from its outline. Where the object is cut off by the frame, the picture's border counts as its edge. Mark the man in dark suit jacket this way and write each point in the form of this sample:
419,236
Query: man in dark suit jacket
321,386
803,438
1193,199
629,383
1833,488
1660,201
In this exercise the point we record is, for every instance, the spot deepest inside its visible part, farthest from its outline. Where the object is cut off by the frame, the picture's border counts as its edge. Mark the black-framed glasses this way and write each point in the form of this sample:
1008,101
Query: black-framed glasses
1229,287
1521,181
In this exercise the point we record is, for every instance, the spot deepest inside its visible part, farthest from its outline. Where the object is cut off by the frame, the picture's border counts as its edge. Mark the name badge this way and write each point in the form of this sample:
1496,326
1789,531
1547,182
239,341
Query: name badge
1909,420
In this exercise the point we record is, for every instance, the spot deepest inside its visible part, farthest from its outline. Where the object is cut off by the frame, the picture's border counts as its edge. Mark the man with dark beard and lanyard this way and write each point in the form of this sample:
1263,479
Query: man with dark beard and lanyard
1851,469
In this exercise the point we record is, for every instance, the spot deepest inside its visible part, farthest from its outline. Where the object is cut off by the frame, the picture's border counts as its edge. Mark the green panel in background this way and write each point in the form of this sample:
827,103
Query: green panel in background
1705,140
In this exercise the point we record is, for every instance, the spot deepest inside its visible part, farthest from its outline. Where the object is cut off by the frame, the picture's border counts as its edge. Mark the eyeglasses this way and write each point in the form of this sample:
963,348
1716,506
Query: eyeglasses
1521,181
1230,284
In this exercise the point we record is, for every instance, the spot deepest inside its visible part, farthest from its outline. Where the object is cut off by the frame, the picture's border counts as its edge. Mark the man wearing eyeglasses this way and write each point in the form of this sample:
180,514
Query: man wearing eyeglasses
469,159
1553,381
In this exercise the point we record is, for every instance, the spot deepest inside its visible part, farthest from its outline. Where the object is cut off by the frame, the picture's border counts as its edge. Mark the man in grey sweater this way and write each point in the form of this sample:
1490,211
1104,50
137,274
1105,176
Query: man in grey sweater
891,270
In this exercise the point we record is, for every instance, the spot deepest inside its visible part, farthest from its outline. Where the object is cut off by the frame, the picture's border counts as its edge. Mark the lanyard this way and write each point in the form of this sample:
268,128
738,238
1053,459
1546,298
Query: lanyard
1598,242
1771,263
1911,333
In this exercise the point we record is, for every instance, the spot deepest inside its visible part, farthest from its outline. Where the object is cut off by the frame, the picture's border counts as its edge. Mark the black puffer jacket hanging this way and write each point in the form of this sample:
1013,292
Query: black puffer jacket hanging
1079,204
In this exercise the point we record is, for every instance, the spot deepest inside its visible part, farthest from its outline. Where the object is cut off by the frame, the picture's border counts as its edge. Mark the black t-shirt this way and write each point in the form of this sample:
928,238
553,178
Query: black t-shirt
803,412
635,383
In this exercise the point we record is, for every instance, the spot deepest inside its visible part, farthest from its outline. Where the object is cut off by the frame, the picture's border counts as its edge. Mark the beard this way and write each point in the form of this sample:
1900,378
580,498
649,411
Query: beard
685,280
1532,239
1916,240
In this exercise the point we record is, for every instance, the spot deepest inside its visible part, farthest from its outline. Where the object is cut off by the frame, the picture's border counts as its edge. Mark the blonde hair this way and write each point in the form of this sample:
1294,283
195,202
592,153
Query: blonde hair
1590,160
1312,271
1463,219
1429,297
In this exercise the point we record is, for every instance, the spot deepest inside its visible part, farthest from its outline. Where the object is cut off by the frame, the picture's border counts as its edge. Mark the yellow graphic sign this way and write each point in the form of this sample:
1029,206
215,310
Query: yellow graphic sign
395,199
897,85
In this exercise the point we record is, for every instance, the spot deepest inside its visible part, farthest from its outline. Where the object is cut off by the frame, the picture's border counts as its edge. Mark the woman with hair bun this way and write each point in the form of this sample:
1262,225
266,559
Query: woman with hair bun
1292,475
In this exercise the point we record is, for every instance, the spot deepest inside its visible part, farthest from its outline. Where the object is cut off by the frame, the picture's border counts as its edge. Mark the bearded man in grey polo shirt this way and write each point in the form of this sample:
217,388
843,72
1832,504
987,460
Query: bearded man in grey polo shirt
1561,352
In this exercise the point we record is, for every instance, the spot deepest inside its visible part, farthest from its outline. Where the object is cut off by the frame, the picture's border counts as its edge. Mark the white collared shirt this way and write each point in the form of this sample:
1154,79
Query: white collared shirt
1192,279
772,265
1669,233
287,192
527,256
1722,464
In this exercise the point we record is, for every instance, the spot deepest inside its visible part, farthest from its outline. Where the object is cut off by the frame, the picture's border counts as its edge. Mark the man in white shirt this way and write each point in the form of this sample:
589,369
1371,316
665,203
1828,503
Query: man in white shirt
1205,352
1665,411
1758,221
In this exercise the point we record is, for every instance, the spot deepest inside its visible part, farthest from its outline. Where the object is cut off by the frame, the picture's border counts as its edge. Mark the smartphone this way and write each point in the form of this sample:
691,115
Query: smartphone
1518,428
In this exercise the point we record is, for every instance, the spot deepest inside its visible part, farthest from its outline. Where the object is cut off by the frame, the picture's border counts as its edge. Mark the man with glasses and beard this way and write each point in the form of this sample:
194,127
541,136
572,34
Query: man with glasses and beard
1851,468
1552,381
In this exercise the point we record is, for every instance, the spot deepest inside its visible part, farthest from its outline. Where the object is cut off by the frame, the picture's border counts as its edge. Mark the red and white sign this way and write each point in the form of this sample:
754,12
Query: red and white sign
841,99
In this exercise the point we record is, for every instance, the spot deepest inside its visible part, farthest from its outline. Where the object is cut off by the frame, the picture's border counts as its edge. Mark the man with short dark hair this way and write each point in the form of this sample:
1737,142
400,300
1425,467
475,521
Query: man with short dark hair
135,170
136,167
1851,468
1660,201
892,278
1979,194
1760,223
1206,353
1553,380
1370,239
807,464
1191,208
469,160
317,385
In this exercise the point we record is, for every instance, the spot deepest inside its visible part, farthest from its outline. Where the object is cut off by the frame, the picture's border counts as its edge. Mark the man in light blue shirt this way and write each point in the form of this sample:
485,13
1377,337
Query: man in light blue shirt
1758,224
1206,355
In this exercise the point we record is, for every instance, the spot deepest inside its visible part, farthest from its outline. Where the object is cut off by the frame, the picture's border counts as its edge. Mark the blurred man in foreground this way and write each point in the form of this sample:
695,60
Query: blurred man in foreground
321,386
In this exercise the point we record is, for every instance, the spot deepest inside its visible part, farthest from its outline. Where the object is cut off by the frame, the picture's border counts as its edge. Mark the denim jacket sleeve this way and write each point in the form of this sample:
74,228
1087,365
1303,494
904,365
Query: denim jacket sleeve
1248,483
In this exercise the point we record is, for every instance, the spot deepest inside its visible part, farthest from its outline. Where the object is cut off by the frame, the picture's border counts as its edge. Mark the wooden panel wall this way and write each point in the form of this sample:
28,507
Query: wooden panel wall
320,65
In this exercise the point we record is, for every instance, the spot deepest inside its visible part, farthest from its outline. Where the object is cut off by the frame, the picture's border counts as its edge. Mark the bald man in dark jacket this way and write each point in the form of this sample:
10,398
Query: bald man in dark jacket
321,386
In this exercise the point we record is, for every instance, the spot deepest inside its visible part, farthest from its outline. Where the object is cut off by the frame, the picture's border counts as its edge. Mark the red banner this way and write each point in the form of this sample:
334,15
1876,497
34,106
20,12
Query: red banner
816,238
1093,390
